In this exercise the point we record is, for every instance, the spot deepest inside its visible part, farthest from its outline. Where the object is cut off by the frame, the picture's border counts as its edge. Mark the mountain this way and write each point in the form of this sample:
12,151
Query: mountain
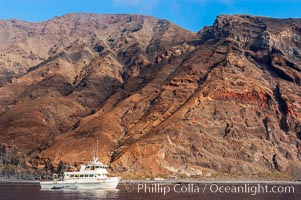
161,100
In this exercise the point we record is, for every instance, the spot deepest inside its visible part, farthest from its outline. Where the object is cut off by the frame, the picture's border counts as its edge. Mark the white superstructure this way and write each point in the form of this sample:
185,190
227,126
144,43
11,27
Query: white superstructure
90,176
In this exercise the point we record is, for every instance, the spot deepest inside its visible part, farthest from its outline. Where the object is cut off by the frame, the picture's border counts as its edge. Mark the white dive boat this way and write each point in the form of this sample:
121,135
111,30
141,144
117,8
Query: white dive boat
91,176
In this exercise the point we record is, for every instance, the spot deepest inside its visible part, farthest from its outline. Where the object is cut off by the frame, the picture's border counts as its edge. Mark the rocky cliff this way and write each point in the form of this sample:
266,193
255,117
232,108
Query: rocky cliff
162,101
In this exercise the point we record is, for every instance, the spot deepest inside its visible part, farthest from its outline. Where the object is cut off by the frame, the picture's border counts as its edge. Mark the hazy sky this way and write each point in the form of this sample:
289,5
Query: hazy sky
190,14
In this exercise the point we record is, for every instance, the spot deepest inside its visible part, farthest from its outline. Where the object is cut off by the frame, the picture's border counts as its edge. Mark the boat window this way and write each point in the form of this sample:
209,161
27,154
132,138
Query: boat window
71,175
81,175
86,175
76,175
92,168
91,175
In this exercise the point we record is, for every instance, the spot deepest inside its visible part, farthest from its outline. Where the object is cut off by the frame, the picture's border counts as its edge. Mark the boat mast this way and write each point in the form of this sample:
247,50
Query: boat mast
96,155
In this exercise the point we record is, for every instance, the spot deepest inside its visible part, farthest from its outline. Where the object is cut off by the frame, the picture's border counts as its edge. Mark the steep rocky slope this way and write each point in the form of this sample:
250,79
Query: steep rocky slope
162,101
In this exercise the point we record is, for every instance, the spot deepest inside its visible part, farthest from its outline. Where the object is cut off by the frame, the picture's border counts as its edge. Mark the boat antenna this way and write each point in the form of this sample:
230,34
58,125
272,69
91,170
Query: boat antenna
96,153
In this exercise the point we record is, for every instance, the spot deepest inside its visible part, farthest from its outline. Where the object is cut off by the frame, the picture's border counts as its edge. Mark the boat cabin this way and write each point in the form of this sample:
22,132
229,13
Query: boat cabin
95,169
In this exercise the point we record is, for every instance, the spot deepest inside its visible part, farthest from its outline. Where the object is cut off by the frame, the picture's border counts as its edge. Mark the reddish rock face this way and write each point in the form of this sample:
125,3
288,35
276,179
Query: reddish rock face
162,101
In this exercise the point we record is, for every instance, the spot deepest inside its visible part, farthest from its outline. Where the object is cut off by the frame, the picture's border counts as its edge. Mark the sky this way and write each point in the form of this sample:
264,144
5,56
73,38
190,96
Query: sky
189,14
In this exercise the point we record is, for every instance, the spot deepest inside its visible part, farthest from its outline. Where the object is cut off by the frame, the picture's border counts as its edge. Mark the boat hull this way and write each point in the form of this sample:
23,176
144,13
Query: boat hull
109,183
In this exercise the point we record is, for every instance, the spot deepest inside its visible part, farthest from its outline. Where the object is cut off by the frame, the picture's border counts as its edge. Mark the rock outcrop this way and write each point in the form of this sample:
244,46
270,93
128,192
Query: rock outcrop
162,101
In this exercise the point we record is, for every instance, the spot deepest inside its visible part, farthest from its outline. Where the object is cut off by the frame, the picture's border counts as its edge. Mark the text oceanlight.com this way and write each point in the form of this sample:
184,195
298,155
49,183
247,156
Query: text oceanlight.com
252,189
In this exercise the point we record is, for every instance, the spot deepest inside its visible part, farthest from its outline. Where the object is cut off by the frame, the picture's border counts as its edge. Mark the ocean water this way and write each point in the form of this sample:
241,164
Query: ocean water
136,191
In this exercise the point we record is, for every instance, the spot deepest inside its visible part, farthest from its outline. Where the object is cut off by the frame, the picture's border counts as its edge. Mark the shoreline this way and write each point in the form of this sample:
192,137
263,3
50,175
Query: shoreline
191,181
169,182
19,182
